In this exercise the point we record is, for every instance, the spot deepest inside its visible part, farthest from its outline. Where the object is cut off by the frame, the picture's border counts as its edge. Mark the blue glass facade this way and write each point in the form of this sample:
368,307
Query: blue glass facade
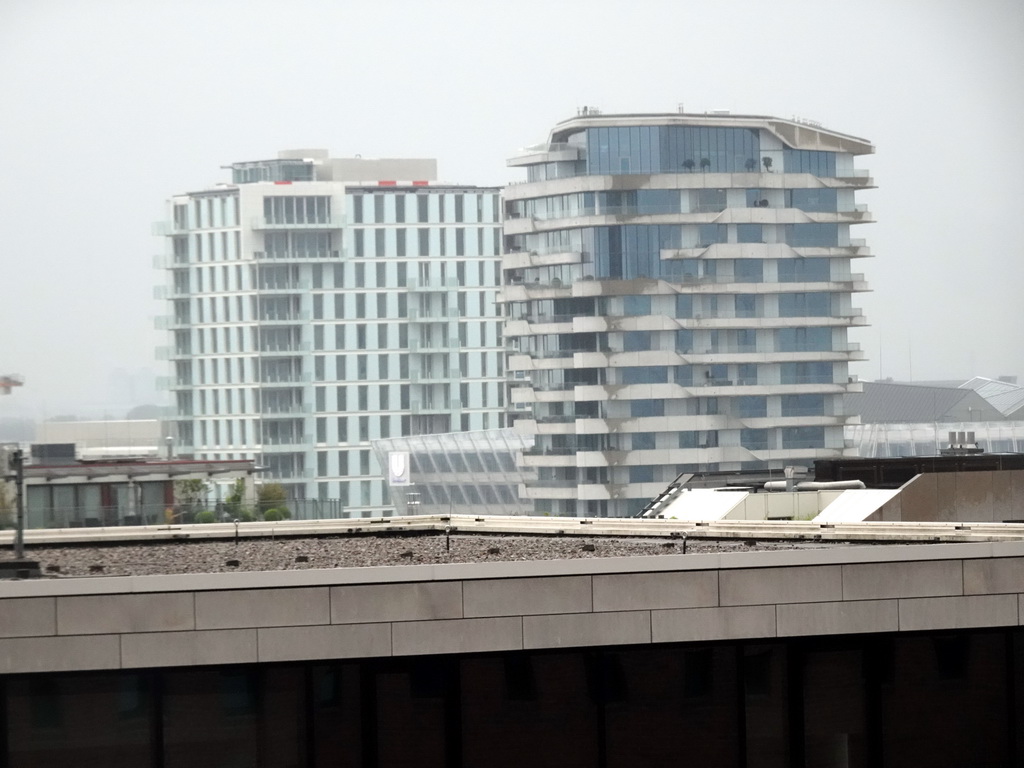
671,149
814,162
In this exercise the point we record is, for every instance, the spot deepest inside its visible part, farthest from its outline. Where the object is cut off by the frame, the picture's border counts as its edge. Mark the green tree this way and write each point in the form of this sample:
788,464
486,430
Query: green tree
271,496
233,501
190,495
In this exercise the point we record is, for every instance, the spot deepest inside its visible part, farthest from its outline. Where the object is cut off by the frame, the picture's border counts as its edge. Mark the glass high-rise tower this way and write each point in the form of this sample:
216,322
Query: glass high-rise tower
678,292
319,303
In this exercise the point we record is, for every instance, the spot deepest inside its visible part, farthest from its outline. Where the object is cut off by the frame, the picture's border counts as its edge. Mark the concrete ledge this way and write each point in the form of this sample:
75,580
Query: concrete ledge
994,576
457,636
396,602
929,578
207,582
527,597
59,654
682,589
186,649
958,612
28,617
846,618
263,608
106,614
764,586
575,630
579,603
330,642
697,624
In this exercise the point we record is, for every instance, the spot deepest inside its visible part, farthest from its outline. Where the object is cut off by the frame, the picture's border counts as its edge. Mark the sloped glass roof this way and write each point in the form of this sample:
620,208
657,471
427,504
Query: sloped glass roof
459,472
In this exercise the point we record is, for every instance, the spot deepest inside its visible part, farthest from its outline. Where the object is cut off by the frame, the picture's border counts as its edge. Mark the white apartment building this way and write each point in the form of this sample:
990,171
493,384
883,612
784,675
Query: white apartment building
678,291
316,304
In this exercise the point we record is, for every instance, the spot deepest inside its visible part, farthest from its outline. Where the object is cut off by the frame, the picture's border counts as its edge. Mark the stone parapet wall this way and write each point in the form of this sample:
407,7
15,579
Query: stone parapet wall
170,621
959,497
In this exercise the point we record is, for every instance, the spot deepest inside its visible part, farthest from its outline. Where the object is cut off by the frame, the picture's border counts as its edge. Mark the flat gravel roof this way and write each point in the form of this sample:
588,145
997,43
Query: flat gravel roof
226,556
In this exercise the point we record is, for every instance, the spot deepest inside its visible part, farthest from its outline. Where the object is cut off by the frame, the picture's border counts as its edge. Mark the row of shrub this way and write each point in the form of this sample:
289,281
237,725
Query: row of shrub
272,515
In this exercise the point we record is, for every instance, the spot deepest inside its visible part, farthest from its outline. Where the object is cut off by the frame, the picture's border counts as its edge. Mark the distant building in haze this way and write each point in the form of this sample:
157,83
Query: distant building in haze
678,291
901,419
317,304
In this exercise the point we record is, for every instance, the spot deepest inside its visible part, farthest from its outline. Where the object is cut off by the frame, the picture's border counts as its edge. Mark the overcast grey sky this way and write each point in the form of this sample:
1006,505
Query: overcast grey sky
107,107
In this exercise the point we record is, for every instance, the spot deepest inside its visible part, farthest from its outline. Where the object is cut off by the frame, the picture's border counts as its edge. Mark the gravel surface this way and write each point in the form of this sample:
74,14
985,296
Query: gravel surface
352,551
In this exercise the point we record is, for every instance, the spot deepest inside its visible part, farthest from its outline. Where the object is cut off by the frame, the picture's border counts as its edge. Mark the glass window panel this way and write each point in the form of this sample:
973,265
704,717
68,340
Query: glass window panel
803,437
808,404
805,304
79,720
755,439
643,375
642,408
636,305
805,270
749,233
636,341
752,406
748,270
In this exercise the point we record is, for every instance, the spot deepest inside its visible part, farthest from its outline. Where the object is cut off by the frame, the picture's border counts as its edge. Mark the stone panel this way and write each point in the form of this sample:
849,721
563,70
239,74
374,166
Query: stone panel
412,638
263,608
1017,494
396,602
28,617
59,654
697,624
765,586
850,617
945,497
918,501
105,614
958,612
890,511
524,597
570,630
986,577
186,649
330,642
926,578
973,497
681,589
1002,498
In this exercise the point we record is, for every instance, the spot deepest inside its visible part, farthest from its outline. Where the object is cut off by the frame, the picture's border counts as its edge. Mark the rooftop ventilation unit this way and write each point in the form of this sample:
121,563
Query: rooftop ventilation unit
961,444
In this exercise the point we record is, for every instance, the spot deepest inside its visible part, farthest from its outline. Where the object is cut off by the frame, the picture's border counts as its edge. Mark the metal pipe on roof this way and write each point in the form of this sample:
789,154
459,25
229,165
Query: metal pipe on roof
813,485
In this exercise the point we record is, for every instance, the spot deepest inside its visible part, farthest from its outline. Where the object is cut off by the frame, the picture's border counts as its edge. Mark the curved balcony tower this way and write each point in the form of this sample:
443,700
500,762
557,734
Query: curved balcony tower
678,293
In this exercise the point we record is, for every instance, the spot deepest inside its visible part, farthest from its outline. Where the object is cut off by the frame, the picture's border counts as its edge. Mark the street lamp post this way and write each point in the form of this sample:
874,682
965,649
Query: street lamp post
19,567
18,464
